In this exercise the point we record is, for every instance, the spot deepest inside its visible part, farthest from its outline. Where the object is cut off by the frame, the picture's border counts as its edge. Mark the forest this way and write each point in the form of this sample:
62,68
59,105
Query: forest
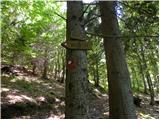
87,59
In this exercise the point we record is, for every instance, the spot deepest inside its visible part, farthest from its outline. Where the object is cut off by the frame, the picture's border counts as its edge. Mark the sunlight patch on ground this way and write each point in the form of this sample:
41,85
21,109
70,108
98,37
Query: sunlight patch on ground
106,113
14,80
62,103
19,98
14,98
97,92
28,79
104,95
57,100
60,86
145,116
24,117
55,117
6,75
40,99
28,98
5,89
47,85
15,91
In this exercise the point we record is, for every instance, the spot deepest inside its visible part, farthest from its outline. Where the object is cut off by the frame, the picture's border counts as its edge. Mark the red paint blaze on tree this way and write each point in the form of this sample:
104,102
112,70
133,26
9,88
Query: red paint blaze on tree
71,65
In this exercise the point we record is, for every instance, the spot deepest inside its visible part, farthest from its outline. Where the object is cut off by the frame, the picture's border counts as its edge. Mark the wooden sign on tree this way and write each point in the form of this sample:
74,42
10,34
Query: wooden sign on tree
77,45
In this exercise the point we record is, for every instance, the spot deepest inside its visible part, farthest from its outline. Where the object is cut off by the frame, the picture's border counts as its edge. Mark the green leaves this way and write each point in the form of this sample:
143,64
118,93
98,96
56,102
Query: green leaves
140,18
28,27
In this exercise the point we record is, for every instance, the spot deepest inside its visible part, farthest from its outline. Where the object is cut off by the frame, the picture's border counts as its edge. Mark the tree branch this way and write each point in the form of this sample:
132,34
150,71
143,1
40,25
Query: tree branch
60,16
92,19
85,10
128,36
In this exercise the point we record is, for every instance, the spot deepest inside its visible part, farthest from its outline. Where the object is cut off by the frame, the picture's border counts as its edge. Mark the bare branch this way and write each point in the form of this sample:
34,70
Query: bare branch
92,19
85,10
60,16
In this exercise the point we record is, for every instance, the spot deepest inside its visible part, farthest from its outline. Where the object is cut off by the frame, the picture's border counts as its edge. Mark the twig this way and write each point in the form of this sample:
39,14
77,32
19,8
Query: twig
85,10
60,16
92,19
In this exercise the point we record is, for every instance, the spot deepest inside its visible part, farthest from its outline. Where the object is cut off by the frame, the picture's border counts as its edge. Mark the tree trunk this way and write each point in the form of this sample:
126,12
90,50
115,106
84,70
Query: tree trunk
133,84
136,78
44,74
34,69
56,66
120,94
148,77
96,75
76,74
63,69
151,90
59,66
14,56
144,81
142,72
157,85
45,64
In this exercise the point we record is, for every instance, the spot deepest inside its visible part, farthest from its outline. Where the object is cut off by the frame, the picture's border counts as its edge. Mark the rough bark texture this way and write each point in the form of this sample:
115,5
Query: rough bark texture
76,72
63,70
120,94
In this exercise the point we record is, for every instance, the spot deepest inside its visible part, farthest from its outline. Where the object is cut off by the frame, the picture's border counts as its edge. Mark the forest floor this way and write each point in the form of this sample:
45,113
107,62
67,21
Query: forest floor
26,96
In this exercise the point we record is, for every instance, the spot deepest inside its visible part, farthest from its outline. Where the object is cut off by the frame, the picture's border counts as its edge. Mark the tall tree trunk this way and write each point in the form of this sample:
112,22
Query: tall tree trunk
59,66
56,66
133,84
76,74
157,85
120,94
44,74
63,69
148,77
45,64
136,78
142,72
96,75
144,81
14,56
34,69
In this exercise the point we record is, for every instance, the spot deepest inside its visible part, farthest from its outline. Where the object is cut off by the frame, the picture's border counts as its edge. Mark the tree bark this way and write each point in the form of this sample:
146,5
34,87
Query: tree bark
142,72
148,77
96,74
56,66
63,69
76,72
59,66
120,94
45,64
136,78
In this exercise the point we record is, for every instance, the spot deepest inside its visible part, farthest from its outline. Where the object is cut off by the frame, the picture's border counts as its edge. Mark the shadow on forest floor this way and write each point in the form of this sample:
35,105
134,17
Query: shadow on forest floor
25,96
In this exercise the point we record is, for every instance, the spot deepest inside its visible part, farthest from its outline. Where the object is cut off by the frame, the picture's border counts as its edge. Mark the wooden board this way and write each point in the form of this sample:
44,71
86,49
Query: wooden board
77,45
